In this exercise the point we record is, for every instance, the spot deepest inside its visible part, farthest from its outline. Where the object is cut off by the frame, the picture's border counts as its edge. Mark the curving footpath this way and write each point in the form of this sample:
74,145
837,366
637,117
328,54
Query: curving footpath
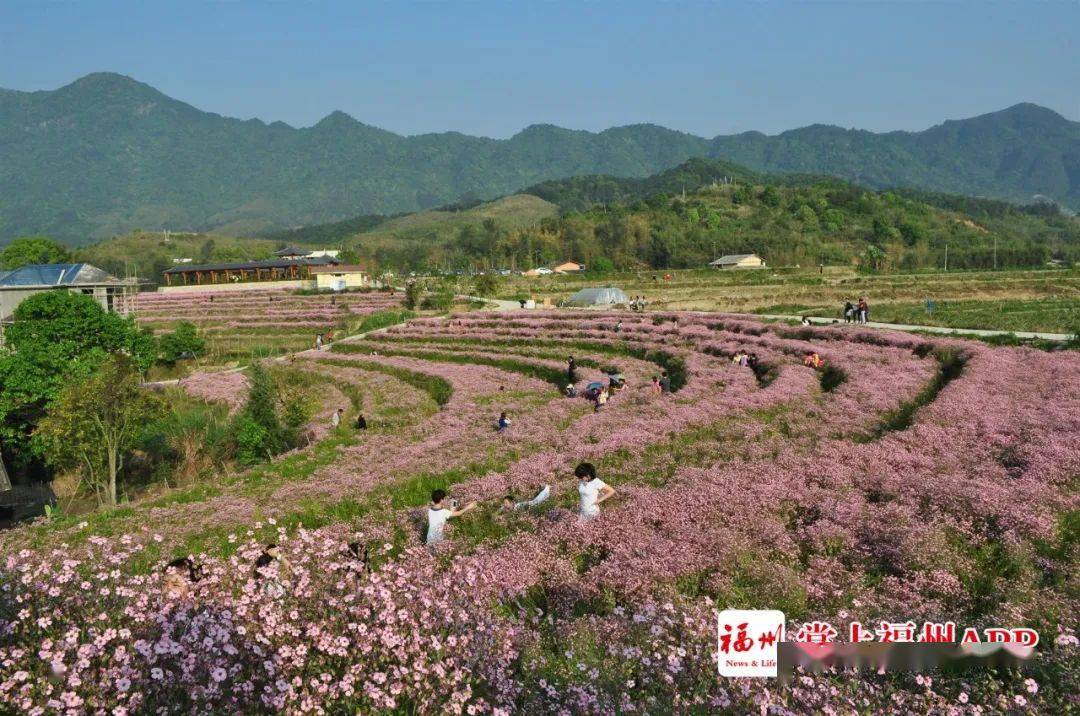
929,329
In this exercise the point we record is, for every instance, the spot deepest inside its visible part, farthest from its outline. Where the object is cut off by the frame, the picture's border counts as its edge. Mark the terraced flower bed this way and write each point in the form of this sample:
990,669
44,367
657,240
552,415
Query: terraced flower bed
922,479
241,325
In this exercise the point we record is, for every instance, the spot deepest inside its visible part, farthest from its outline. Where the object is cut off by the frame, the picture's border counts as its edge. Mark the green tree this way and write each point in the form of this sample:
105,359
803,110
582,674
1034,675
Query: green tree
806,216
441,299
183,342
833,220
348,256
75,325
412,295
874,258
486,284
257,429
33,250
600,266
884,230
770,196
57,337
743,194
95,422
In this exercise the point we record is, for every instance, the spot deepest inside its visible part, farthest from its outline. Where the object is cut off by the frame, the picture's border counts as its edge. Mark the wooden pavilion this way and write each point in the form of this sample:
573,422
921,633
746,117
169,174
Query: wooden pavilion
246,272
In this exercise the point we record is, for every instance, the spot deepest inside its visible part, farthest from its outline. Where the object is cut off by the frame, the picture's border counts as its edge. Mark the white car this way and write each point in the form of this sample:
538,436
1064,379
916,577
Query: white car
544,271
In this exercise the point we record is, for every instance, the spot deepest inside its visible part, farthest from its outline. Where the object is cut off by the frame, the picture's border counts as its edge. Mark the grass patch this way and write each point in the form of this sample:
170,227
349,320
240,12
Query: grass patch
831,378
439,389
554,376
382,319
950,366
664,360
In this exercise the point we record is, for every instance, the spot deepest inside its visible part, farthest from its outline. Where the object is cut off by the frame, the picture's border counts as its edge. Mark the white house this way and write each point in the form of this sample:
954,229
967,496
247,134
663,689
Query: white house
339,278
738,261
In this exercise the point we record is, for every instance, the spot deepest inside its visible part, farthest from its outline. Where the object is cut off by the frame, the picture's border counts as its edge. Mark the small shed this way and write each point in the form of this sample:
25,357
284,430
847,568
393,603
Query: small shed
607,296
738,261
339,278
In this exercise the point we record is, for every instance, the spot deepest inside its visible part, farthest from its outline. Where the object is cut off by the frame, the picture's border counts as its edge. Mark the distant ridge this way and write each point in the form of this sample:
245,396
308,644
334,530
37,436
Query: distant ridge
107,154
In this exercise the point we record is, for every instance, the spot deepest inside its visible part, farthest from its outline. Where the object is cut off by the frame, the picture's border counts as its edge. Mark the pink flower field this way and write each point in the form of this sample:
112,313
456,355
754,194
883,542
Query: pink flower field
259,310
909,478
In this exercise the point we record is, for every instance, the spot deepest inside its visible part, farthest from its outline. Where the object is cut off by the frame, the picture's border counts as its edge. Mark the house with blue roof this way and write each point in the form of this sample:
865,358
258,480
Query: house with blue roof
27,499
113,294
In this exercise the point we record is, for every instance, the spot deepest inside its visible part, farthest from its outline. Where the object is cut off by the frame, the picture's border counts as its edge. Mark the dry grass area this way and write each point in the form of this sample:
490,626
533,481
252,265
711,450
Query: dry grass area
750,291
510,212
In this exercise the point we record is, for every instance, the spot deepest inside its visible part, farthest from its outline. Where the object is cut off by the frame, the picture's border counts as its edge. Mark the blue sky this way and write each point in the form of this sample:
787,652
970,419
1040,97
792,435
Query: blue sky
492,68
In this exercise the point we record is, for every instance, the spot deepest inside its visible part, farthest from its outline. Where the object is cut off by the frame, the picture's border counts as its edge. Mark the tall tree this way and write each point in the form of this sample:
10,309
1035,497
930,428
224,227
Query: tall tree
56,337
94,423
33,250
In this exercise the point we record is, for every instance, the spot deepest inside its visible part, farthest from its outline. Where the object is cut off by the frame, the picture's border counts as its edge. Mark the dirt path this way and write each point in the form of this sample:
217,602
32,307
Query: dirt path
929,329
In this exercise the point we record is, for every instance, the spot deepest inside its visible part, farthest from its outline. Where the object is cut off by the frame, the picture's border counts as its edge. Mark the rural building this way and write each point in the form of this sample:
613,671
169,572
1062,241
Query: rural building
569,267
339,278
295,252
607,296
290,252
111,293
738,261
281,269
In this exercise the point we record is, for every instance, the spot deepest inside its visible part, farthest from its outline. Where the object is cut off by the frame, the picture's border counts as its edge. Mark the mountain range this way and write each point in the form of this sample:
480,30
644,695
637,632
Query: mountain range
107,154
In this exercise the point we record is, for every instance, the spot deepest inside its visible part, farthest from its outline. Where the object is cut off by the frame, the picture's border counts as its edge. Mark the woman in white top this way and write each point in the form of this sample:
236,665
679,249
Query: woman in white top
438,515
592,490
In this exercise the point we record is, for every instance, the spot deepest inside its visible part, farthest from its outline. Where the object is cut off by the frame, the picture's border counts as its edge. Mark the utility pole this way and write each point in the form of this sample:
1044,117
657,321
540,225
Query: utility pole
995,252
946,257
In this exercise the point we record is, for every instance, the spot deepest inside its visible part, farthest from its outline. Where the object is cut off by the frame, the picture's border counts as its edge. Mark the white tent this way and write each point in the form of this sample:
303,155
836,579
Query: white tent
599,297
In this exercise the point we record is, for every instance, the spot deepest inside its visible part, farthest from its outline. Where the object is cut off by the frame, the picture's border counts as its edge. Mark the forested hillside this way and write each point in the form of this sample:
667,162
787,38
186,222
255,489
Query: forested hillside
146,255
107,154
1012,154
686,216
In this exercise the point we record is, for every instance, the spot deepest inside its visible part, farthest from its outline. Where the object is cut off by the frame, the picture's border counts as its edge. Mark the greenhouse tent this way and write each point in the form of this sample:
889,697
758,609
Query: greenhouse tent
598,297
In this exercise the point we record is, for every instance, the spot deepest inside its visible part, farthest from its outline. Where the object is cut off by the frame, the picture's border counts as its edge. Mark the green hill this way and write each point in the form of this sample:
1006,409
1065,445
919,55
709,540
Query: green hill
106,155
688,215
809,221
377,239
148,254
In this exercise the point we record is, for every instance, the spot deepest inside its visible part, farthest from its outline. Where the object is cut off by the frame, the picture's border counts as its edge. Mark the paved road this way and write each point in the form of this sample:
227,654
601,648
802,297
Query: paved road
930,329
500,304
